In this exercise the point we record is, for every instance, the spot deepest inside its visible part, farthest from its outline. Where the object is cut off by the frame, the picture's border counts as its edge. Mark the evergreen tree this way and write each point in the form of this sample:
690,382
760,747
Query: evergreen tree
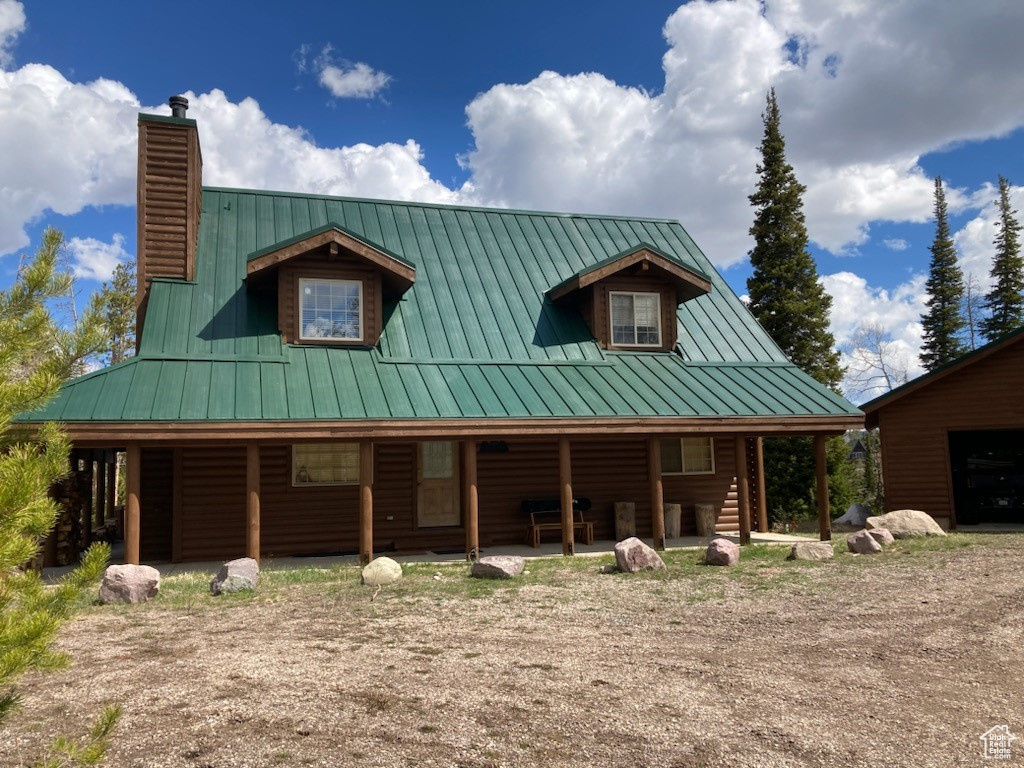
943,322
785,295
36,355
117,303
790,303
1005,301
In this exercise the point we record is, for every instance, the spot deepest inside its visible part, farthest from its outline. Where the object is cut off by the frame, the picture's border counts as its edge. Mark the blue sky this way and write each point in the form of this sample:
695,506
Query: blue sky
646,108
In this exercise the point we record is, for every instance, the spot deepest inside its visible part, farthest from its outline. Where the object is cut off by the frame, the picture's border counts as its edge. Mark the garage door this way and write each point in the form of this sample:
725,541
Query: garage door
988,476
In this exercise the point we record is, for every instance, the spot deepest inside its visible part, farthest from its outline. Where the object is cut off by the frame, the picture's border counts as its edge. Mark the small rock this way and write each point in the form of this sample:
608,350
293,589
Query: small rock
129,584
498,567
236,576
907,523
381,571
437,577
856,515
812,550
722,552
609,569
863,543
632,555
882,535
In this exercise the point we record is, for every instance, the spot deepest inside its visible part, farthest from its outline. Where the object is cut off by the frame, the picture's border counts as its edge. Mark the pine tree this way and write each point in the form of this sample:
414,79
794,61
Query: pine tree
117,302
790,303
1005,301
785,295
943,322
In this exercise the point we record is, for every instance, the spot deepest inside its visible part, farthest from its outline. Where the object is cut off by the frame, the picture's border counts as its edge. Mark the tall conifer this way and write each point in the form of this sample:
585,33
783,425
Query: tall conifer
942,322
1005,302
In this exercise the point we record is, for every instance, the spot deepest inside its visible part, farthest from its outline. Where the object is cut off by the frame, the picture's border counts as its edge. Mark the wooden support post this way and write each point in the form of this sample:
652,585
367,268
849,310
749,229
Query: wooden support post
133,476
111,486
565,483
177,523
252,501
90,498
821,472
472,502
762,501
657,492
101,490
743,489
365,502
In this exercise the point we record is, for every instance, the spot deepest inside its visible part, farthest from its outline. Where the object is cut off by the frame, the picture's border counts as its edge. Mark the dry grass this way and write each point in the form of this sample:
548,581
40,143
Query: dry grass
901,659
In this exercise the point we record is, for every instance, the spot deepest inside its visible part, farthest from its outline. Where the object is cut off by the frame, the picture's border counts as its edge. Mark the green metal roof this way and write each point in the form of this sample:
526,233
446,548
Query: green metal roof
329,226
475,336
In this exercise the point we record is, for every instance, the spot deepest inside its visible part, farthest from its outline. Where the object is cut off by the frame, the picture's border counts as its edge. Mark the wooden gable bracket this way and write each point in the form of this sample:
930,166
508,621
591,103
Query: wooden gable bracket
396,271
689,283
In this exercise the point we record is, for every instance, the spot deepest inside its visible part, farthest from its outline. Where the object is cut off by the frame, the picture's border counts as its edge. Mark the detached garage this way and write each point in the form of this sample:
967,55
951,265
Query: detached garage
953,440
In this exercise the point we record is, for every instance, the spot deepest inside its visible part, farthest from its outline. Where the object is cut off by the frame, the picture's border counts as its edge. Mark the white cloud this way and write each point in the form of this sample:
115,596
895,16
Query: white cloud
94,259
353,81
896,244
12,24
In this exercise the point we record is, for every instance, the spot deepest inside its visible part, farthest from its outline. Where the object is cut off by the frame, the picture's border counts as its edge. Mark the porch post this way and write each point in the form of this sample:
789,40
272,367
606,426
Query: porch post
472,502
565,482
252,501
133,476
821,472
657,492
762,502
743,489
90,499
101,489
365,502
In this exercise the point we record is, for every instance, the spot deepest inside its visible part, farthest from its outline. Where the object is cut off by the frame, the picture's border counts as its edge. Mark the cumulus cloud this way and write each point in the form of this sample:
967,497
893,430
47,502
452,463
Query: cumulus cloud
866,88
344,79
896,244
94,259
12,24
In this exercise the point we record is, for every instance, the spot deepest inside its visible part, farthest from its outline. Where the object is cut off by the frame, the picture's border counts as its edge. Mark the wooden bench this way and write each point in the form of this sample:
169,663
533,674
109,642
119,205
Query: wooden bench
546,515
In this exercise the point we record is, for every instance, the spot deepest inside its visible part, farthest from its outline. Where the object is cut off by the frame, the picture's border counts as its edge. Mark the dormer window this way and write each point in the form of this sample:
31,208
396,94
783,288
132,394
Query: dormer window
331,310
635,319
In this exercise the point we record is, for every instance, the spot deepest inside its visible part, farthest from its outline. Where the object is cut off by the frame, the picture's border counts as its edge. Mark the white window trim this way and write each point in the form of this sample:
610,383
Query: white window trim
682,459
303,281
294,471
611,324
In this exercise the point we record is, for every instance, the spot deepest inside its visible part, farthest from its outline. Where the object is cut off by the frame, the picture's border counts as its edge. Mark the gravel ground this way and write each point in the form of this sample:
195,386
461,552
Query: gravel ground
903,660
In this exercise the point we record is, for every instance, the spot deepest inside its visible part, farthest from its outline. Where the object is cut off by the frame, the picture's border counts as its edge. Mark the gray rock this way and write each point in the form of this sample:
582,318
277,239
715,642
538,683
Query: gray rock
632,555
882,535
236,576
812,550
722,552
863,543
129,584
381,571
608,569
498,567
907,523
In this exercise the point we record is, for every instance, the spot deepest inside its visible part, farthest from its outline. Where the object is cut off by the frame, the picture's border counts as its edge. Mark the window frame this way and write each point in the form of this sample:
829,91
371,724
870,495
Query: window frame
660,344
309,484
302,338
682,456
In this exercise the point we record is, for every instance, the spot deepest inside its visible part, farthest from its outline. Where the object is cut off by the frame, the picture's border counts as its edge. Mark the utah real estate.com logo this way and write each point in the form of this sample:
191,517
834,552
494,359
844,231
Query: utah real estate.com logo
997,742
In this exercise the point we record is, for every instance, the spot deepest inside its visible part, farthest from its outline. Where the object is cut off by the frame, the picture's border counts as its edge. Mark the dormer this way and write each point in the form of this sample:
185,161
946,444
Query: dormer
331,285
629,300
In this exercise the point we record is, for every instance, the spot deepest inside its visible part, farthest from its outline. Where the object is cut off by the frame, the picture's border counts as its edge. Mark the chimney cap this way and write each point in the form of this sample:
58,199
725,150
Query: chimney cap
179,105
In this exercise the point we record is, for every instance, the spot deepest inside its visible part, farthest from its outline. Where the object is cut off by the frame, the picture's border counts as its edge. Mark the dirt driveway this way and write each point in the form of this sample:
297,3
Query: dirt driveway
902,659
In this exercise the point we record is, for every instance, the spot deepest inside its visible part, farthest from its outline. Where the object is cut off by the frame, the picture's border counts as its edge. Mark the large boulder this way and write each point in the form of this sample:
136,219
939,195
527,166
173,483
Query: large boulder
722,552
856,516
812,550
882,535
498,567
632,555
236,576
863,543
129,584
907,524
381,571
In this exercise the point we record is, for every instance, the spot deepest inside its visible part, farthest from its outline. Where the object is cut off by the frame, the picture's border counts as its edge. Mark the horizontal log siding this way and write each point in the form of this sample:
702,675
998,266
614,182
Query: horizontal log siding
213,503
155,499
718,489
915,447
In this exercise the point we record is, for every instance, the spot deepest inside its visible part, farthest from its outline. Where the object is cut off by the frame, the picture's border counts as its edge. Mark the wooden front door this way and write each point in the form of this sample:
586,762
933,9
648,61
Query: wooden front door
437,489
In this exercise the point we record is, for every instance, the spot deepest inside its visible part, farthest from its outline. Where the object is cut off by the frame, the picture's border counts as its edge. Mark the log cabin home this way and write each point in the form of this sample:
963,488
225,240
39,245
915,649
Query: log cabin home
952,440
335,375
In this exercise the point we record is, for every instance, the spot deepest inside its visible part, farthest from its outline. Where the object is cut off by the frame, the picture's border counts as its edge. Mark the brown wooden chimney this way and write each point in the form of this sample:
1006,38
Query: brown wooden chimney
169,198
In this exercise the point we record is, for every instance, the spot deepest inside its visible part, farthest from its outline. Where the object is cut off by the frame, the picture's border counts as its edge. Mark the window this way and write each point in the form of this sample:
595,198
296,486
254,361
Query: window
635,319
331,309
688,456
325,464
